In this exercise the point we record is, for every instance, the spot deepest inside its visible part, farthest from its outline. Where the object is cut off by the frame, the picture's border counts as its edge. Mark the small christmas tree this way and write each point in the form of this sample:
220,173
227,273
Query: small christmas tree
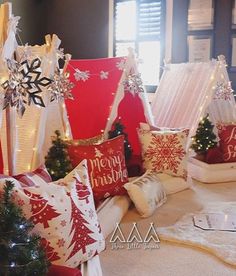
119,130
20,252
57,160
205,137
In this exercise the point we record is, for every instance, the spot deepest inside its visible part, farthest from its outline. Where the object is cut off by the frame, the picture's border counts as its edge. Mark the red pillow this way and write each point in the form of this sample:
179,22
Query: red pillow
57,270
228,143
214,156
34,178
106,166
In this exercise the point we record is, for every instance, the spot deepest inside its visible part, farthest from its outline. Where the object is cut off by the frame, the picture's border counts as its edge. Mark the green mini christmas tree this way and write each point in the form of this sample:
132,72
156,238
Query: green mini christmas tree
119,130
205,138
20,252
57,160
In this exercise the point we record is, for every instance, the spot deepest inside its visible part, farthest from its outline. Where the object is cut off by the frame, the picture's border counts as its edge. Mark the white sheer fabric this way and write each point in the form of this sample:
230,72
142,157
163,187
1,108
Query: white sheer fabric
187,91
32,134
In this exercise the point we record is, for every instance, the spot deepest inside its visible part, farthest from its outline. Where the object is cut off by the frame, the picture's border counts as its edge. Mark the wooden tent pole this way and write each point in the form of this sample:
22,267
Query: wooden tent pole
7,15
9,142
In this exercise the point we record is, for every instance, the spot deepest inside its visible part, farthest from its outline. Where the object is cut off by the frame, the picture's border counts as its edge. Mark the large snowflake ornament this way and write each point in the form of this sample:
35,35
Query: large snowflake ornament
23,86
223,91
81,75
133,84
61,86
165,152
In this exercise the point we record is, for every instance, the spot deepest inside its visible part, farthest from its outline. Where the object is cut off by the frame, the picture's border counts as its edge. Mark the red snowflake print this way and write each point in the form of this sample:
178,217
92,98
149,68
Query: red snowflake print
63,223
61,242
223,91
165,152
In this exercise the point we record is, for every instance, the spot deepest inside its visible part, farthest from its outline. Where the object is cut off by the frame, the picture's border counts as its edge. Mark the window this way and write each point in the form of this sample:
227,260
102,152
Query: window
139,24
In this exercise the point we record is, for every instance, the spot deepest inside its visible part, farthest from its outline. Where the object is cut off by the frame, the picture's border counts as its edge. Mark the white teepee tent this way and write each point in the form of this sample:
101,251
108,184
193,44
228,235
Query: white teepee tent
187,91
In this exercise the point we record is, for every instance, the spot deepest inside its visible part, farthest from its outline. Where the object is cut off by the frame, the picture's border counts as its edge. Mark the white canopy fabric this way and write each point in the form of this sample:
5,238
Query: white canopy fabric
31,135
188,91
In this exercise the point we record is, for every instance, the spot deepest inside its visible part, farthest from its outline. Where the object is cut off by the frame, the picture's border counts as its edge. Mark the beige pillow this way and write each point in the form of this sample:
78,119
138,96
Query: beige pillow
164,151
147,193
87,142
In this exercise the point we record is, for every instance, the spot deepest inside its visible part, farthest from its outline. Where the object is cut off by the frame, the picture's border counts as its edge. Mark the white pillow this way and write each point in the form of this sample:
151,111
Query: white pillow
173,184
147,193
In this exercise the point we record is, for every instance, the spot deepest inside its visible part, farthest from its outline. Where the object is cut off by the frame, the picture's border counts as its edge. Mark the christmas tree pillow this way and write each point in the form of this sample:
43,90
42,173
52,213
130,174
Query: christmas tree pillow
106,166
34,178
164,151
227,135
65,218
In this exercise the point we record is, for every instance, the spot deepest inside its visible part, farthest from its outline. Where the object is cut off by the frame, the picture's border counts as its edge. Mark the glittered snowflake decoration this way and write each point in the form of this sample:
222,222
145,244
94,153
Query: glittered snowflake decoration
104,75
23,86
223,91
81,75
133,84
61,87
121,64
60,53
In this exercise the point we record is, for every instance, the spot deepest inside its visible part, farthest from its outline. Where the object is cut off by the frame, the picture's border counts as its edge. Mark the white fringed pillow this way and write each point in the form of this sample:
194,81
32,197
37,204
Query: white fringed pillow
147,193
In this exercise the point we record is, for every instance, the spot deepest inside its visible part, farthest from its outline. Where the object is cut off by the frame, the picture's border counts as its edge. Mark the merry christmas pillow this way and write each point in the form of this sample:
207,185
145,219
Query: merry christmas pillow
106,166
227,136
34,178
65,218
164,151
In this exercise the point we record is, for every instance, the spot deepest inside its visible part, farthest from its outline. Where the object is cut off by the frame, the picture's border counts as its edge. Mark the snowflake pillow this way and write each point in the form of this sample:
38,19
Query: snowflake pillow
65,218
164,151
106,166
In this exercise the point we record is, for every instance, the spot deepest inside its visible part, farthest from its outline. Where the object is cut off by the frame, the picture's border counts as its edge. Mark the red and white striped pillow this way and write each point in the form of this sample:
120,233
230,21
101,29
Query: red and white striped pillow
34,178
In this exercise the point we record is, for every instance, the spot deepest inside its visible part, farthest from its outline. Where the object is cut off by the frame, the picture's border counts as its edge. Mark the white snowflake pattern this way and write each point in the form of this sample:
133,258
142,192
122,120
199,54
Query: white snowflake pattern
90,253
91,213
110,151
117,189
165,152
81,75
98,153
104,75
121,64
223,91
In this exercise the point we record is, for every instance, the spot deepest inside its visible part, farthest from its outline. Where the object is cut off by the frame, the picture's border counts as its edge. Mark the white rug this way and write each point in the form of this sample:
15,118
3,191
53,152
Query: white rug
220,243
